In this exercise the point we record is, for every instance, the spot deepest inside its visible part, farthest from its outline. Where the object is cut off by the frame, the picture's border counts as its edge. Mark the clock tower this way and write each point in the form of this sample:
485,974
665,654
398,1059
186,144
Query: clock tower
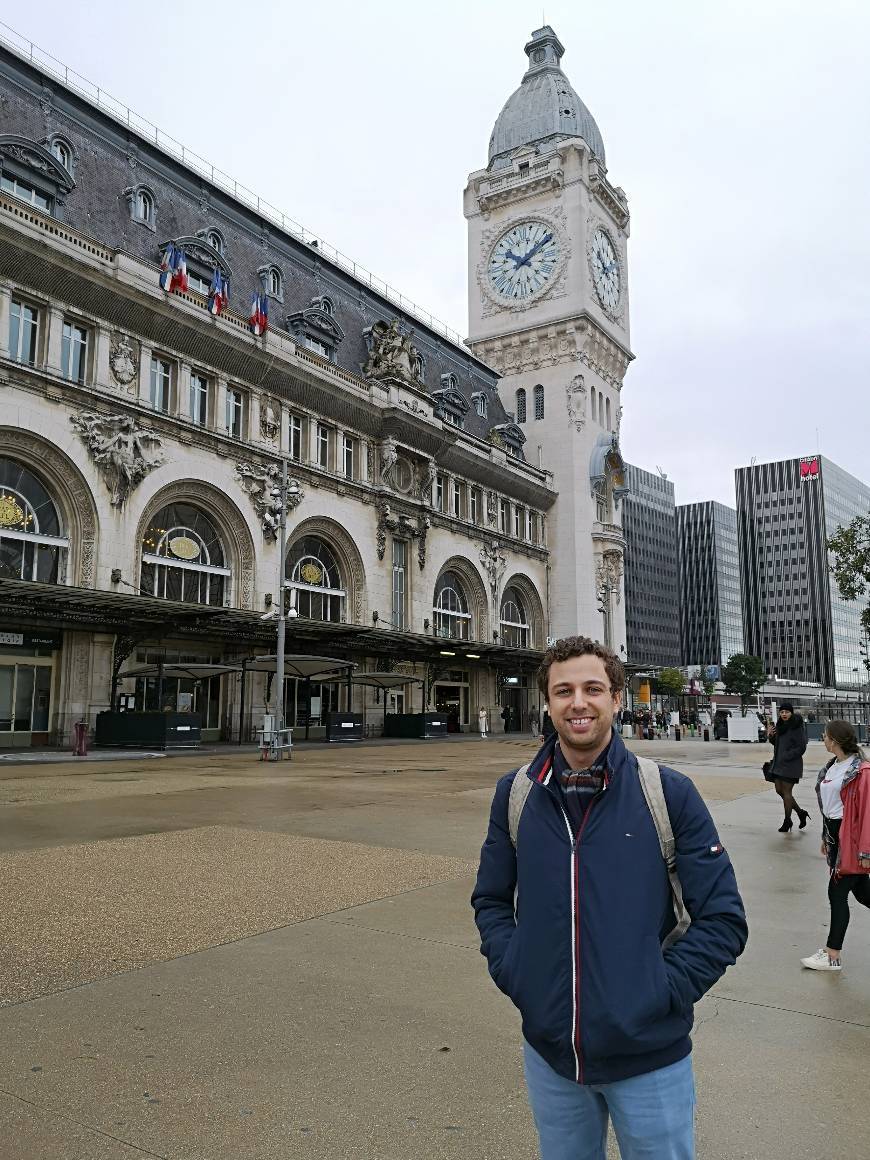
548,308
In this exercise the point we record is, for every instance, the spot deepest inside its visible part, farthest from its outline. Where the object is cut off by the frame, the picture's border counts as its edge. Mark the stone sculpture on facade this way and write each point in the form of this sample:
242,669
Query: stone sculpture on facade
389,459
576,392
260,482
402,526
608,575
491,508
124,452
123,362
391,355
426,477
494,564
270,419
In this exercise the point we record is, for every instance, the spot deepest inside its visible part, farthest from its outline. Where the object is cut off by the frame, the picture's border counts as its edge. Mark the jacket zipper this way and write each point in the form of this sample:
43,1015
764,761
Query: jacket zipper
576,976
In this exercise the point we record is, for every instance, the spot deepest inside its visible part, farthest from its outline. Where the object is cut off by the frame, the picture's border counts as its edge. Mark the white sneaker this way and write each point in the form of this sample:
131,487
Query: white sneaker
821,961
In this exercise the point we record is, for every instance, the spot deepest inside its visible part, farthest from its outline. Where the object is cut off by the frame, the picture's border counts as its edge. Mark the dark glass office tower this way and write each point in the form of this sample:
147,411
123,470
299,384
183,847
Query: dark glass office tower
711,619
793,614
651,583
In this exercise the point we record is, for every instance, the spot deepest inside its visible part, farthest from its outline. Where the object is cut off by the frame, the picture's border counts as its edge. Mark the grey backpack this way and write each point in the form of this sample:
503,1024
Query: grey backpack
650,778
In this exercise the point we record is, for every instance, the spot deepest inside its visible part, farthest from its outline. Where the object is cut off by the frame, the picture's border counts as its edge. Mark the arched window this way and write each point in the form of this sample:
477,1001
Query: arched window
452,618
33,545
276,282
216,241
480,404
316,588
607,409
183,557
539,401
63,153
327,306
418,366
513,621
593,398
144,207
521,405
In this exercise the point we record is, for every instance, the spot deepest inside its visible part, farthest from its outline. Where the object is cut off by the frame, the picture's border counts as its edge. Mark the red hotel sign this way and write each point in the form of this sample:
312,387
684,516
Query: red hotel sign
810,468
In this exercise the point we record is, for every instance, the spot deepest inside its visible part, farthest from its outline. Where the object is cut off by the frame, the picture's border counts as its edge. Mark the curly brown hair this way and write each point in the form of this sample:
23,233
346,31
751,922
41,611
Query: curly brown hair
581,646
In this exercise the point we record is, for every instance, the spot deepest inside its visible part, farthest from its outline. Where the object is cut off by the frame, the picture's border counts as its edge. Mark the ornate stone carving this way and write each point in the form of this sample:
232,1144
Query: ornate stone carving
370,462
618,421
402,526
123,361
414,407
270,418
425,478
124,452
391,355
389,459
260,482
576,392
491,508
494,564
608,575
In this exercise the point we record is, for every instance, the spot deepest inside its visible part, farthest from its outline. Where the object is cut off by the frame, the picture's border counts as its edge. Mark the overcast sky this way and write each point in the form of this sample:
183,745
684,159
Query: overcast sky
738,131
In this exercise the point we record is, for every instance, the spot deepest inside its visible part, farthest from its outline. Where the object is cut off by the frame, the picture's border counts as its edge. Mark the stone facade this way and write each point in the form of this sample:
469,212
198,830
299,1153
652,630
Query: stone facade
556,326
132,401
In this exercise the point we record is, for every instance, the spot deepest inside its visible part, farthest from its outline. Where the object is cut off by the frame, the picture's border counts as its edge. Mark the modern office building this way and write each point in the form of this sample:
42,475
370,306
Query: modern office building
793,614
711,618
651,578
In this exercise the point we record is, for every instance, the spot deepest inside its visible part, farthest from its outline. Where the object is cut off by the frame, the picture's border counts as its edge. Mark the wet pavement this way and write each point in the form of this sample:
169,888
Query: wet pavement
208,957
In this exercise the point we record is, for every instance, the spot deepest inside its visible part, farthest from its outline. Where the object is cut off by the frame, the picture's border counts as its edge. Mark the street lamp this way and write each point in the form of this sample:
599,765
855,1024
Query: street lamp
283,495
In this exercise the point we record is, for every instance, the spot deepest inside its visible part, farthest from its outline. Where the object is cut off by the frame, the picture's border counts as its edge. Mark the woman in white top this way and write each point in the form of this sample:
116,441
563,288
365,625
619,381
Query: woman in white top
843,790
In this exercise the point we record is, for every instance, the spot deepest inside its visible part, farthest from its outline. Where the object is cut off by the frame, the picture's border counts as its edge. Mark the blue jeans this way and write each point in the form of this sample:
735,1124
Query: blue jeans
653,1115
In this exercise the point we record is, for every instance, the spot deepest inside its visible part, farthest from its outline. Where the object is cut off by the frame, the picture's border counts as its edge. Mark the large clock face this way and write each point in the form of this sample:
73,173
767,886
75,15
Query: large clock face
523,261
605,270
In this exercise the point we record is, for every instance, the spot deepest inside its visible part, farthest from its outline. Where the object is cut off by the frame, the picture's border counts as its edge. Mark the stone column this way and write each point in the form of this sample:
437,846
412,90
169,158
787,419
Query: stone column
55,339
144,391
5,299
102,654
220,405
253,433
183,408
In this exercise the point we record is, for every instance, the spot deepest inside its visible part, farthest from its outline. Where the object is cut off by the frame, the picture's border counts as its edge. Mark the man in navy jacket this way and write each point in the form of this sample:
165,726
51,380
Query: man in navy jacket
572,923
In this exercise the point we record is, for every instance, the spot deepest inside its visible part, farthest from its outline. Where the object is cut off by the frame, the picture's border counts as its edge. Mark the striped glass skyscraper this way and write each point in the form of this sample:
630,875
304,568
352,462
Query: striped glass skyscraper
711,619
652,626
794,616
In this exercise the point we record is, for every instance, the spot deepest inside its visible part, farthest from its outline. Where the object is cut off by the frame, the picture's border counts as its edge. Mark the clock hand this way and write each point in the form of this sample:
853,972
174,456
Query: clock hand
546,238
516,258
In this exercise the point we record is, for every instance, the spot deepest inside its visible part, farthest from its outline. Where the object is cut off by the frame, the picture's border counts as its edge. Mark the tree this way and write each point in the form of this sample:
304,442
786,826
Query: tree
743,675
850,546
670,682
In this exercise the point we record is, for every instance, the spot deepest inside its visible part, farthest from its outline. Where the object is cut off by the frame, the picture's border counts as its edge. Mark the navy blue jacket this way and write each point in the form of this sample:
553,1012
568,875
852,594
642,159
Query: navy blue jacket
581,957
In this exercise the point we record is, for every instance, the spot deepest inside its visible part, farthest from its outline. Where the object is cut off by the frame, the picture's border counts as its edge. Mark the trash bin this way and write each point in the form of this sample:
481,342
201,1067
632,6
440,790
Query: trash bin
80,739
706,733
677,733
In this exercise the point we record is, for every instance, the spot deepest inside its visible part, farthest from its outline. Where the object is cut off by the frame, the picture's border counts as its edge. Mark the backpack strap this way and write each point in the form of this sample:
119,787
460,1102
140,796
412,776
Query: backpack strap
520,787
650,777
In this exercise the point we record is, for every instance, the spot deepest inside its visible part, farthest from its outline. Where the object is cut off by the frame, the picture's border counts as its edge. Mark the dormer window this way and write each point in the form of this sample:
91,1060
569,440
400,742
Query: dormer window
509,437
276,283
62,151
142,205
32,173
451,406
316,329
327,306
418,366
479,400
449,382
216,241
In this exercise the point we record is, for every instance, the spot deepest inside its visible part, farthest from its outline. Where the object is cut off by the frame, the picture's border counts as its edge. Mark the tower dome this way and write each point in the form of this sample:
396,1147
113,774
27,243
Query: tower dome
545,108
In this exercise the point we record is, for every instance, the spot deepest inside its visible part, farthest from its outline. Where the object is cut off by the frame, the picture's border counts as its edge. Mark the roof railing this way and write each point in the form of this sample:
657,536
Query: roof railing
155,136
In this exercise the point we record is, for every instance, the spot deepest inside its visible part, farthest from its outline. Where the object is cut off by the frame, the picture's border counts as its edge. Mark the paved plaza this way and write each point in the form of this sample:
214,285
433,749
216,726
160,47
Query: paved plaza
208,958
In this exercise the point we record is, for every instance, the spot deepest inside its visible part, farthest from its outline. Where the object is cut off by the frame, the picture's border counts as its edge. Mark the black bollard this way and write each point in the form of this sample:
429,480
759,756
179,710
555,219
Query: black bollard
676,733
706,734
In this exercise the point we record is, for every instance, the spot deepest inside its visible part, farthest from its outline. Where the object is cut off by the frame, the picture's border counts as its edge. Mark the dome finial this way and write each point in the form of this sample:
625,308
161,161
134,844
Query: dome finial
544,50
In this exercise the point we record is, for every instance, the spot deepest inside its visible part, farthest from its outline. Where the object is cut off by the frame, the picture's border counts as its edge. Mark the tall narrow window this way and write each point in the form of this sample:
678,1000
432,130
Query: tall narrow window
199,398
23,332
295,437
215,240
349,449
504,516
592,399
533,527
323,446
63,153
73,351
144,208
458,499
276,285
161,382
235,412
607,411
440,489
400,555
521,405
474,513
539,402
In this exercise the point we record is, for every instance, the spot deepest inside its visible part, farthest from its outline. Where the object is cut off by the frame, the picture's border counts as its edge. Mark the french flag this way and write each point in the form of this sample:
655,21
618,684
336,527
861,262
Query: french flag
219,293
173,269
259,320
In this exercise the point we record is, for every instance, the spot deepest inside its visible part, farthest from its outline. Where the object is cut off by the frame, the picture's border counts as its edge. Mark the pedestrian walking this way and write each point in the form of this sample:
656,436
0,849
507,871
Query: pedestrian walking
578,918
789,740
843,790
534,723
483,721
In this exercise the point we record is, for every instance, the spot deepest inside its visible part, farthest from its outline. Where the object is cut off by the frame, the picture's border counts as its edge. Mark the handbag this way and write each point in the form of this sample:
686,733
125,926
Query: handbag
767,770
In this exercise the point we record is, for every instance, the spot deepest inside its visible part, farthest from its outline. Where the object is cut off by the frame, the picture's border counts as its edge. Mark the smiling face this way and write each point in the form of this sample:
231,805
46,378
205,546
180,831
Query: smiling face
582,705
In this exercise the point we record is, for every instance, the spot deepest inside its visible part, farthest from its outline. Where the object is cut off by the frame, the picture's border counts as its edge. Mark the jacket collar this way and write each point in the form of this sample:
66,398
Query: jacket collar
851,773
541,767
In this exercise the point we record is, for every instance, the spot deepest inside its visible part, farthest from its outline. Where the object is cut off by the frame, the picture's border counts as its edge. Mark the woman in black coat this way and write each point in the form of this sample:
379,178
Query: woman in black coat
789,740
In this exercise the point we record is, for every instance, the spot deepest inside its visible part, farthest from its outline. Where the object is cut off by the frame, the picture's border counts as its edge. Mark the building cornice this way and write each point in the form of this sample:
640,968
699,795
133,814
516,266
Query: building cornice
565,341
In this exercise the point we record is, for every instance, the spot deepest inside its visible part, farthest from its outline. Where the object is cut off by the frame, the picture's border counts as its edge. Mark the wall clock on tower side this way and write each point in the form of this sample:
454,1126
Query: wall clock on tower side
605,269
523,262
